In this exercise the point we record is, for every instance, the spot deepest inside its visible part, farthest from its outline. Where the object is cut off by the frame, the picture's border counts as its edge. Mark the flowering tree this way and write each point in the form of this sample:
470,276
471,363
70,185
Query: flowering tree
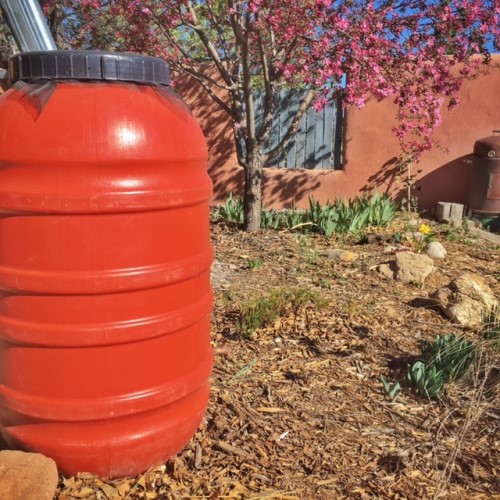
406,50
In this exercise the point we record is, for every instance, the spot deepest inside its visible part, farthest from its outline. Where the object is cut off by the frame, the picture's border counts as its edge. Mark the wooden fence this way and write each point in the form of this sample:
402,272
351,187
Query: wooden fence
318,141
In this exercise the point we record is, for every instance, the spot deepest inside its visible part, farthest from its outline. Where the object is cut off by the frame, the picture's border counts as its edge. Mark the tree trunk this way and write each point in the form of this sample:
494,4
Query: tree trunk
252,199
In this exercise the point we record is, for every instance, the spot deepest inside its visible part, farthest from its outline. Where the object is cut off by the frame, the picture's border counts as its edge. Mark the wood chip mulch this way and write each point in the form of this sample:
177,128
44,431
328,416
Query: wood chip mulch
298,410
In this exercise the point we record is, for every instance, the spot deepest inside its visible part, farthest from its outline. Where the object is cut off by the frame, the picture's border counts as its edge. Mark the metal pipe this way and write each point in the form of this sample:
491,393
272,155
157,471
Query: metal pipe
28,25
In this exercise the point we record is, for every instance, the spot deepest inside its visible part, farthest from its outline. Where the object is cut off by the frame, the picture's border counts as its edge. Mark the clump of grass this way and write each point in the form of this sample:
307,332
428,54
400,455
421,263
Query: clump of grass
472,401
350,217
478,396
231,211
263,311
491,327
340,217
444,360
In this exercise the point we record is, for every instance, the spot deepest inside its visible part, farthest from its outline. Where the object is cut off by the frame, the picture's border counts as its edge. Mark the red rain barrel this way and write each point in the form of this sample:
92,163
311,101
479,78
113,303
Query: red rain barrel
105,261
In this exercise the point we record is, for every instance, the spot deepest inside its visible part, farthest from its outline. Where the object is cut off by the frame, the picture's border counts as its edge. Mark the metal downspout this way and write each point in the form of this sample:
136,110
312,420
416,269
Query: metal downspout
28,25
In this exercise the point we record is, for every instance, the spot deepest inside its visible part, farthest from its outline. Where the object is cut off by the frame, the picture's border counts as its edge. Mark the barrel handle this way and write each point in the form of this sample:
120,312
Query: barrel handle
496,131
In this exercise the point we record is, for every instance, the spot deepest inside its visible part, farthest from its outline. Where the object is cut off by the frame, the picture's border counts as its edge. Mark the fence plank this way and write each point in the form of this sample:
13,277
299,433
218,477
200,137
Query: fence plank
317,143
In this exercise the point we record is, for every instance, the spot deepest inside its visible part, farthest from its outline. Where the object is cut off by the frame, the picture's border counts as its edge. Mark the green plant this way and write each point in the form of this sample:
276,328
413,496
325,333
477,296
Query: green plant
293,218
246,370
349,217
341,217
422,237
264,310
451,355
425,380
232,210
445,359
397,238
270,219
227,298
392,390
255,264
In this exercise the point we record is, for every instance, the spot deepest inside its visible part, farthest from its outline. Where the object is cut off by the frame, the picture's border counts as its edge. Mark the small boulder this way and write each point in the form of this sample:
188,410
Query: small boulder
339,254
386,270
435,250
27,476
408,267
465,299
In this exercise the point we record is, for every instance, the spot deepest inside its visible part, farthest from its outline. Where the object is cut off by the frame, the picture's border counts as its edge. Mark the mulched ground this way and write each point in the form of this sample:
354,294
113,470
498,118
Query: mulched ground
298,410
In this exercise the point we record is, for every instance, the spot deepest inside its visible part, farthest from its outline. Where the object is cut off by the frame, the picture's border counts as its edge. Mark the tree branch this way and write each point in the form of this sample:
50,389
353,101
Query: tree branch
212,51
292,129
267,118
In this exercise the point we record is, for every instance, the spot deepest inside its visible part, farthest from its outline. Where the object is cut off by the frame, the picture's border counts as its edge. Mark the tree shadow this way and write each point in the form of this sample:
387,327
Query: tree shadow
425,303
385,178
282,185
216,125
447,183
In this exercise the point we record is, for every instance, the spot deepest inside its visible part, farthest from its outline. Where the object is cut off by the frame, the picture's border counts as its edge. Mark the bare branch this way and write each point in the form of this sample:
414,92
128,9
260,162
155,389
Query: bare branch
292,129
204,82
220,33
212,51
267,119
247,86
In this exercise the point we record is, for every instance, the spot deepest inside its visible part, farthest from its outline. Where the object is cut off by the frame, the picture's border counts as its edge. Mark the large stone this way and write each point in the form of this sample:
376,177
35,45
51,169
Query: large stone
436,250
27,476
408,267
466,299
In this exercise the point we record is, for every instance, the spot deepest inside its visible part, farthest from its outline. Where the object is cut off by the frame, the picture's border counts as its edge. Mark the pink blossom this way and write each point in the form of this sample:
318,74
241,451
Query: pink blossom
360,49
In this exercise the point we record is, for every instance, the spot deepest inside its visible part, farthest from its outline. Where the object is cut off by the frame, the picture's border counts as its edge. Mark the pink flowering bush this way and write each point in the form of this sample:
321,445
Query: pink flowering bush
415,52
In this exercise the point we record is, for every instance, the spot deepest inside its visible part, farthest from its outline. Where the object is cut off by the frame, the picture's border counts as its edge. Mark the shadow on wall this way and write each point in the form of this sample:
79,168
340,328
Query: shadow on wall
390,179
217,128
448,183
385,180
279,185
286,188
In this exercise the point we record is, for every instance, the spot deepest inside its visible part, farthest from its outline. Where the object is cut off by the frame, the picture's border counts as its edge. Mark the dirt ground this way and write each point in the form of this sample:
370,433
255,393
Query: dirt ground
298,410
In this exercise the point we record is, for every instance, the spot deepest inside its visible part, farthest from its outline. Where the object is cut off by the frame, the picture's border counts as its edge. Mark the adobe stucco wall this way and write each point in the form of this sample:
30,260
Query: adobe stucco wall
370,150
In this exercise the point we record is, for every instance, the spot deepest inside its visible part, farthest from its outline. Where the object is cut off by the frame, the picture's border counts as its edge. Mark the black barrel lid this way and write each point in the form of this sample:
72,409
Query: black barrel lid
88,65
488,146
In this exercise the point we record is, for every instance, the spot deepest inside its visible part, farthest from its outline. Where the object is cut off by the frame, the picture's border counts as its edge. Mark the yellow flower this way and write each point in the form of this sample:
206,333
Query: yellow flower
424,229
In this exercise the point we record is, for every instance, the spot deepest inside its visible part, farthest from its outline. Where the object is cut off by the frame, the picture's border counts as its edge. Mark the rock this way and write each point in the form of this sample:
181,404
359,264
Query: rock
221,274
386,270
412,267
435,250
372,238
408,267
396,248
465,299
414,222
27,476
415,236
339,254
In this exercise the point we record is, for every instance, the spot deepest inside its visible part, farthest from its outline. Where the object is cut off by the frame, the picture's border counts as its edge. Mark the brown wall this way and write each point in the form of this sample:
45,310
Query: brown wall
370,150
